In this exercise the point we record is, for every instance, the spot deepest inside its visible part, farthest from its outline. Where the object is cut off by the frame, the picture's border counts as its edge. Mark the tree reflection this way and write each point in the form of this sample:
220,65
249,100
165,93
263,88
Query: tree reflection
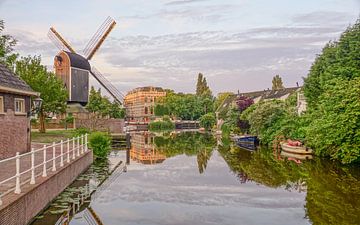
333,194
333,191
187,143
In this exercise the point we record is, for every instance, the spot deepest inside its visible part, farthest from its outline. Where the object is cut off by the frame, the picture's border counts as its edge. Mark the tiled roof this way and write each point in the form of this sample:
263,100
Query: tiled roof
10,80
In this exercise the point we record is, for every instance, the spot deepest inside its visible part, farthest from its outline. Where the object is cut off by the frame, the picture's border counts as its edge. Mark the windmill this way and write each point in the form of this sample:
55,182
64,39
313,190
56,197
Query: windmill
74,69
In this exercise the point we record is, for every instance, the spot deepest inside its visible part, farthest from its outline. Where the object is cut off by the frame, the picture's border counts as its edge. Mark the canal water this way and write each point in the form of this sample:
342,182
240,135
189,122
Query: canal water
193,178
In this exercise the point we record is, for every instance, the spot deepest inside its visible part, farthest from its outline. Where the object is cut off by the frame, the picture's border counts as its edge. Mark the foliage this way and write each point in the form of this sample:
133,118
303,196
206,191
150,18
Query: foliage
277,83
243,103
51,88
116,111
208,121
335,124
332,92
163,125
339,59
80,131
220,99
269,119
101,106
183,106
100,143
7,44
67,120
190,144
202,89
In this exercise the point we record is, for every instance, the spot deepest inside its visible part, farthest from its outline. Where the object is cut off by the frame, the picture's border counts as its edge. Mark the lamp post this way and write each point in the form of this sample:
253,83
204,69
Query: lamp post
36,106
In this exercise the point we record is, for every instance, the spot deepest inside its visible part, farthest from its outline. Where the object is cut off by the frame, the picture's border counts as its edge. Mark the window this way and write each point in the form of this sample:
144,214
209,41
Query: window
2,110
19,105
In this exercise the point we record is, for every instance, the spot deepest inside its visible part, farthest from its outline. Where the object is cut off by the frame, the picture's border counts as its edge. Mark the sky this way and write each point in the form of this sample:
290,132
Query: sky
236,44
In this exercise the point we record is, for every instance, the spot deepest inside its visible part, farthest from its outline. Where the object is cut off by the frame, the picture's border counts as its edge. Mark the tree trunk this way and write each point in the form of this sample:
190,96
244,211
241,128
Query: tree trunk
42,122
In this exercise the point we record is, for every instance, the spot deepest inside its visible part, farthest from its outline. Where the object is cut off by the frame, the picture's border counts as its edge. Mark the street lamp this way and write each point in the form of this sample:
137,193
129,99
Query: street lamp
37,102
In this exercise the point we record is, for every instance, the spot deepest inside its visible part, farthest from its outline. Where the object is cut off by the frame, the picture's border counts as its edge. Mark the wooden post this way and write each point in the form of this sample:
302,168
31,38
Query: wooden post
54,159
32,180
68,151
44,163
62,153
17,187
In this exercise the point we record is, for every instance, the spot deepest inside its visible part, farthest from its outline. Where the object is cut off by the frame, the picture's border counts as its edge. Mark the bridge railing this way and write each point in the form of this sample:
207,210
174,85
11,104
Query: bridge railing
27,167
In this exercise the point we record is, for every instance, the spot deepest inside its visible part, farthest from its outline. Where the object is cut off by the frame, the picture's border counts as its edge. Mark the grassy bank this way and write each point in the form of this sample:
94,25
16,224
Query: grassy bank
51,136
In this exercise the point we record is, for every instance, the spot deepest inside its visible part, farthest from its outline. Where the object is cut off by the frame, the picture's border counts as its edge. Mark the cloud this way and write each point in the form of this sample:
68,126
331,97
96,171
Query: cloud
317,18
183,2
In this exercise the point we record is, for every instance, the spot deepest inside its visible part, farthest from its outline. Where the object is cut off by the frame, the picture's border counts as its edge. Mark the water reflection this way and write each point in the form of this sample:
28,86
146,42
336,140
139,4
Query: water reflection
143,149
193,178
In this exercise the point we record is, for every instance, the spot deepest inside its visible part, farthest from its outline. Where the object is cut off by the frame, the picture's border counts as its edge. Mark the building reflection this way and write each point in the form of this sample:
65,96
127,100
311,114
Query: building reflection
143,149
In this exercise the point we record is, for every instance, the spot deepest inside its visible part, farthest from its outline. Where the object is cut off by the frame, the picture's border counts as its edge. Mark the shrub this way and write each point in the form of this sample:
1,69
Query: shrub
208,121
80,131
166,124
100,143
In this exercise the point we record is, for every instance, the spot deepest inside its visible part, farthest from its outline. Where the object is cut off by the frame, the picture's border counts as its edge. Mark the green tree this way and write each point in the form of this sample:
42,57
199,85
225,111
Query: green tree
202,88
7,43
339,59
277,83
332,93
208,121
51,89
117,111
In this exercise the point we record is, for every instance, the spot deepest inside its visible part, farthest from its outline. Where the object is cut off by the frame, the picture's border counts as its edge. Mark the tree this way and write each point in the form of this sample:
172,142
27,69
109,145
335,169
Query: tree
208,121
7,43
51,89
339,59
332,92
277,83
243,102
202,89
117,111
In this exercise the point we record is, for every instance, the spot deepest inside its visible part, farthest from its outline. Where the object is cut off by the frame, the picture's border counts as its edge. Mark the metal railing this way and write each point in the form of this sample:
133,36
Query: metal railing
28,166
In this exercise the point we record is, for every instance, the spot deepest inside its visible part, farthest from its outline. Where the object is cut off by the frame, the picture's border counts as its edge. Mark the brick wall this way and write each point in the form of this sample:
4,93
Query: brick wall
14,129
33,200
110,125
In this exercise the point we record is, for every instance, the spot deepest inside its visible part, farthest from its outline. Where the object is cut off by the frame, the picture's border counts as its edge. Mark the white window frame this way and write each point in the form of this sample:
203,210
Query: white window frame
2,105
22,108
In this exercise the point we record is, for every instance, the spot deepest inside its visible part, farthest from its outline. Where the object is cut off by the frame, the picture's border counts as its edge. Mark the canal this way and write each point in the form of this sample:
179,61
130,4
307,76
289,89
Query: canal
193,178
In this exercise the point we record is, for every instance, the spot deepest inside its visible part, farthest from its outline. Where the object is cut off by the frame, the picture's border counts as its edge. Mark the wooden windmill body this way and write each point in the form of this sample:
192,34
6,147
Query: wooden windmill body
74,69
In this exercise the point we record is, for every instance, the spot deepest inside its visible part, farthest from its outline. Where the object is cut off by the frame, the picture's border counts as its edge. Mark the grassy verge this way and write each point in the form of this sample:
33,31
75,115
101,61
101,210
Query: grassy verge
51,136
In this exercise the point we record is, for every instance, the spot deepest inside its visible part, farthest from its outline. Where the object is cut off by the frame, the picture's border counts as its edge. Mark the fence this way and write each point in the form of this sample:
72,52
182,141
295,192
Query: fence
25,168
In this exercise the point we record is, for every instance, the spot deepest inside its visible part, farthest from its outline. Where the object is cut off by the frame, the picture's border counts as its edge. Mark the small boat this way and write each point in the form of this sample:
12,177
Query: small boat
295,149
247,142
246,139
247,146
296,156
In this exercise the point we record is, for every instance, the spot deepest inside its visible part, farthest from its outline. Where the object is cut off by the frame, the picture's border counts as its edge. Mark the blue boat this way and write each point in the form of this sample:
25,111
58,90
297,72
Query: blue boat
247,142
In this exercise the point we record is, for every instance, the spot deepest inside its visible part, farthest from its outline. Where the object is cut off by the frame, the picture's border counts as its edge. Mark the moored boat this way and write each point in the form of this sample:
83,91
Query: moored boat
296,149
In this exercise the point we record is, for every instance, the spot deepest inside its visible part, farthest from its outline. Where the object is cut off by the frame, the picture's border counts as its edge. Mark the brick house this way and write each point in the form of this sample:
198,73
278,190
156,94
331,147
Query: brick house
15,106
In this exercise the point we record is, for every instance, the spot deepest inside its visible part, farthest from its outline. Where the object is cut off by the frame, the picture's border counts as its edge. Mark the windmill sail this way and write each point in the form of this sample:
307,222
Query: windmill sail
99,37
115,93
59,41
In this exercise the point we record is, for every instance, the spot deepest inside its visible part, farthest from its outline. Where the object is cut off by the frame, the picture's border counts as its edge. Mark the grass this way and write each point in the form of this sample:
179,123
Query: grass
51,136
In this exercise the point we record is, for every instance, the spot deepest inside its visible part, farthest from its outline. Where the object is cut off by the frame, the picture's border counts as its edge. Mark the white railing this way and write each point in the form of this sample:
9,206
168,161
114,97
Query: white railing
28,166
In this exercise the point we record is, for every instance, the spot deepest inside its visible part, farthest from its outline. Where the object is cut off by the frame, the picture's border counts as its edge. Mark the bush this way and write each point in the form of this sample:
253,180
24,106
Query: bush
208,121
81,131
100,143
166,124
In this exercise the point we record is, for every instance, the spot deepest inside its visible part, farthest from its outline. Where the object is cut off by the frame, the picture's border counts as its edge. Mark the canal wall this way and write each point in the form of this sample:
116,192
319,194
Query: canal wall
20,209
